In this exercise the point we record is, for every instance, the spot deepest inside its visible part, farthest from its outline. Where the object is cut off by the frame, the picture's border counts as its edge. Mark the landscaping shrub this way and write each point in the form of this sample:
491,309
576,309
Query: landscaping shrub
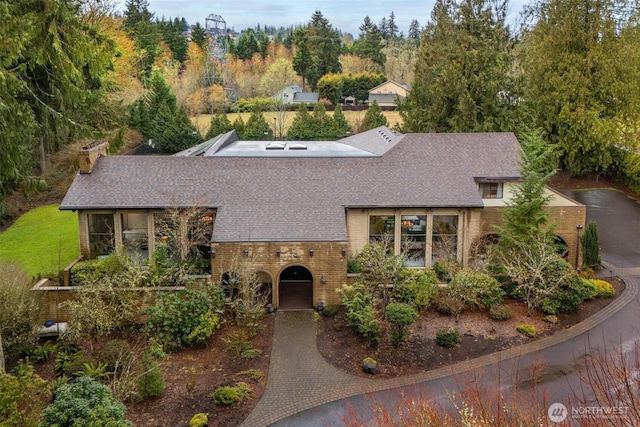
330,310
116,354
19,311
199,420
500,312
238,341
590,246
360,313
475,288
209,322
43,352
400,315
150,382
254,374
567,298
353,266
250,353
447,337
603,289
417,287
22,397
449,305
230,395
86,400
177,314
526,329
446,269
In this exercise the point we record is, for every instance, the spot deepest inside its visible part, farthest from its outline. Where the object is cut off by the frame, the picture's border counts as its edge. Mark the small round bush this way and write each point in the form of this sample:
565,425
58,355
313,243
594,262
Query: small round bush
225,396
86,400
500,312
603,289
449,305
199,420
330,311
526,329
447,337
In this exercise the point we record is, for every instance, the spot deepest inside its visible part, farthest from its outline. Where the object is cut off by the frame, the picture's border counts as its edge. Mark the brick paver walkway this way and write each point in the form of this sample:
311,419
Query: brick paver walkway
300,379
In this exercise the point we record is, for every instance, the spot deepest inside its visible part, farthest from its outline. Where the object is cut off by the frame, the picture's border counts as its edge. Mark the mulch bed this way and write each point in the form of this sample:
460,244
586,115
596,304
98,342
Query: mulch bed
479,335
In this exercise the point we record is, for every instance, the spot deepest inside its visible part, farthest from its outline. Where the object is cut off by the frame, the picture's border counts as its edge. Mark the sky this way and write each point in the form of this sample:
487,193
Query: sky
343,15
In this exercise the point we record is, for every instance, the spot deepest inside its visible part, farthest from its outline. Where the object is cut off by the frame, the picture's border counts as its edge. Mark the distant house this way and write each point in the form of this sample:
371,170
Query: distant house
293,94
386,93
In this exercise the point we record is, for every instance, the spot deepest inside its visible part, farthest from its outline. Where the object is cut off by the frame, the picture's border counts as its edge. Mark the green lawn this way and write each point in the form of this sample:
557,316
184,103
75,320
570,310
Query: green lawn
43,241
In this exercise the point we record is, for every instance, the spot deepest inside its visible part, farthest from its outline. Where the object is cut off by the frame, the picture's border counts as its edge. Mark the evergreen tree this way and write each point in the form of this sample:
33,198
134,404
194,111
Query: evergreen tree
323,44
199,36
219,124
158,117
582,63
374,117
257,127
238,125
369,43
392,28
590,244
463,80
341,126
138,22
301,128
303,63
414,31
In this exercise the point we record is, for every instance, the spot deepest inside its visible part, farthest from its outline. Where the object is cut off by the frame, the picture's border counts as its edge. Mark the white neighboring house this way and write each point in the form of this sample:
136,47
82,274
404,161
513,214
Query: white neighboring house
294,95
386,93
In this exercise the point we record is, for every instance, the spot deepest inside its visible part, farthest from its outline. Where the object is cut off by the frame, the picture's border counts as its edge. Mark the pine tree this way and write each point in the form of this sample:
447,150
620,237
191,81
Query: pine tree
219,124
301,128
341,126
374,117
257,128
590,246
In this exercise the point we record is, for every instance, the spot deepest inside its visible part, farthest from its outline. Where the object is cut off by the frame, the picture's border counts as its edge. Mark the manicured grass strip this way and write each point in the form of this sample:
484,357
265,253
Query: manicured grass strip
43,241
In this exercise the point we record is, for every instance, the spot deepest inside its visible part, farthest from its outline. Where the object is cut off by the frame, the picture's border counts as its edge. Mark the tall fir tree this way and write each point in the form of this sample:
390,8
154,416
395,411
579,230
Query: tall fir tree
582,65
464,78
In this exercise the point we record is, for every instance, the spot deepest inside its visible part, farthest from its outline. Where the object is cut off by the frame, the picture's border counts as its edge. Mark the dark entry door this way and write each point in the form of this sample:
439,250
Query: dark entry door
296,289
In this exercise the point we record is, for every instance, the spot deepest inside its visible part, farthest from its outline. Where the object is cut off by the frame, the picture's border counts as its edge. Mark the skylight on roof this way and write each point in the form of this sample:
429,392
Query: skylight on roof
297,147
275,146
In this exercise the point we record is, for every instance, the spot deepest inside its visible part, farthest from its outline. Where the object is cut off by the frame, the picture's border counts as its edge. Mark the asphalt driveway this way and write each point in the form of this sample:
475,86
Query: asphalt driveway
618,219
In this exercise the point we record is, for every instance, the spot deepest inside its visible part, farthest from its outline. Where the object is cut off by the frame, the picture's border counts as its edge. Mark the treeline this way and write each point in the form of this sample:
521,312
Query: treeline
572,71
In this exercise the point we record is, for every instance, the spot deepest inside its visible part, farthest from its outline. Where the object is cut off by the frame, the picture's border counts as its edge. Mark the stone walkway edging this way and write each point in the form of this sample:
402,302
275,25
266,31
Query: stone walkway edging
329,384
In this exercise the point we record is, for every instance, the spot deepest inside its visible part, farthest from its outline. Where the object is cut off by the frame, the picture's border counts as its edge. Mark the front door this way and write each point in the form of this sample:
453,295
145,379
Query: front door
295,289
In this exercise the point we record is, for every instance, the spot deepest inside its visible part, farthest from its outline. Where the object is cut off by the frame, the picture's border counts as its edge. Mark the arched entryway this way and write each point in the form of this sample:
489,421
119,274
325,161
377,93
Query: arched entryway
295,289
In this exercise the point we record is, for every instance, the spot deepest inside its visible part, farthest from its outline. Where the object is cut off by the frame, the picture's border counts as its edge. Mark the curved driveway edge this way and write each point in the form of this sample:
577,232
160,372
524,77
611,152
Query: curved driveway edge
300,379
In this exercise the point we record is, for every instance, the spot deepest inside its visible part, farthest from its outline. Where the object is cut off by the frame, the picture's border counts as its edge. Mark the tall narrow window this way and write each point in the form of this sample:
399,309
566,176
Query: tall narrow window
414,239
382,229
444,238
135,239
101,234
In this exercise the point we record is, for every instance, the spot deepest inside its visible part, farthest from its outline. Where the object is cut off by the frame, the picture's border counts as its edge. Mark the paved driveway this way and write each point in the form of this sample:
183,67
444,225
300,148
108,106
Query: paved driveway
618,219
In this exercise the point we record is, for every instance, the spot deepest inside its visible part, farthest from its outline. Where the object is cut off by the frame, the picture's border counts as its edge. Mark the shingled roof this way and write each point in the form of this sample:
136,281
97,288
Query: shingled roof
301,199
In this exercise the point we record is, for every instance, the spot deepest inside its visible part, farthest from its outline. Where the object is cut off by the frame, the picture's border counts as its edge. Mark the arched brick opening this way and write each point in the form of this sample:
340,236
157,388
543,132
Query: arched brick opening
295,288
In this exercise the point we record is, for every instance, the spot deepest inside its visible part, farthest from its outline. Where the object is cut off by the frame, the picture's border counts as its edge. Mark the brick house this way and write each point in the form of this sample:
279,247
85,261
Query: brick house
297,211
